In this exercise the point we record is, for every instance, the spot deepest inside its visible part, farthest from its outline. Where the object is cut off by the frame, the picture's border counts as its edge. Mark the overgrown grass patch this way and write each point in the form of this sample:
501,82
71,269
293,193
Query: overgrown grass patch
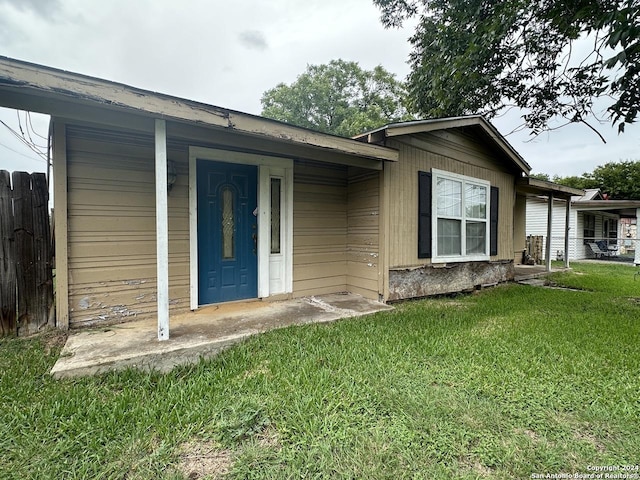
507,382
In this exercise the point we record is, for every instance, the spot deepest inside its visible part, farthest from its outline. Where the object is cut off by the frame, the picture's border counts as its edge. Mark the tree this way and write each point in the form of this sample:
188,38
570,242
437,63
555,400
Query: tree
619,180
481,56
339,98
540,176
583,182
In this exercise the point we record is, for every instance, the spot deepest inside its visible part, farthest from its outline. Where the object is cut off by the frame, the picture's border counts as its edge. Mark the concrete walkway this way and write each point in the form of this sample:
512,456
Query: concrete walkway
528,272
195,335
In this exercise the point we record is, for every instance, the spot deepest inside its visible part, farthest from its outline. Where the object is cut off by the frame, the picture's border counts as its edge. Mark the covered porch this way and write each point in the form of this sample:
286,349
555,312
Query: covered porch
125,180
528,186
613,224
199,334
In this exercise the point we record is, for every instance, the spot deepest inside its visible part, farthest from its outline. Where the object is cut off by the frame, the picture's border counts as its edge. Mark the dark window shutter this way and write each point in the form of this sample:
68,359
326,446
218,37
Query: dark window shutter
424,215
493,222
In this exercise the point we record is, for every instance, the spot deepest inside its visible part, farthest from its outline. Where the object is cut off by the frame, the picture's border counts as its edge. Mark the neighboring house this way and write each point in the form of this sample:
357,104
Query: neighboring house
163,205
592,218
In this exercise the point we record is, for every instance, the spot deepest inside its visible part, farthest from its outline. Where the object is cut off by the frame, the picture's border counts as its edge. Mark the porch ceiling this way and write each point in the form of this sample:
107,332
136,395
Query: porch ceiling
624,208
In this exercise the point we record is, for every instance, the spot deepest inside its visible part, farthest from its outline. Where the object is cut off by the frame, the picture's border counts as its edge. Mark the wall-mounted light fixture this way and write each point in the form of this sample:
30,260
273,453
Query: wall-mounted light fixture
172,175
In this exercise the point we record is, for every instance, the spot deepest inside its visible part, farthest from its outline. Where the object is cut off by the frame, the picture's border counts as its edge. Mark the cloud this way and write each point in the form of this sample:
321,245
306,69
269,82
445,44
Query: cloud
19,18
45,8
160,45
253,39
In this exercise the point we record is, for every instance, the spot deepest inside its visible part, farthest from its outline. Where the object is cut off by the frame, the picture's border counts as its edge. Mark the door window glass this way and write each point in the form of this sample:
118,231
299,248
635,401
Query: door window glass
228,224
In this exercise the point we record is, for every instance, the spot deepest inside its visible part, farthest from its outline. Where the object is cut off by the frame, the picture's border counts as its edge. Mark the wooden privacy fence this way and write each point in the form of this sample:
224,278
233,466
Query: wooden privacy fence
26,279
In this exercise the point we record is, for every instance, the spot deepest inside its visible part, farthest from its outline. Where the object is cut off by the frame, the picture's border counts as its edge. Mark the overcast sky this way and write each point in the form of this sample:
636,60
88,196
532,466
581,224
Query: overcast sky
229,53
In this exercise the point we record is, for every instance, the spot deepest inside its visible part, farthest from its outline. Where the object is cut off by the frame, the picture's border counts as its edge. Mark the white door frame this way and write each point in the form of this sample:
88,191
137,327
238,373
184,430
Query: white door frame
266,165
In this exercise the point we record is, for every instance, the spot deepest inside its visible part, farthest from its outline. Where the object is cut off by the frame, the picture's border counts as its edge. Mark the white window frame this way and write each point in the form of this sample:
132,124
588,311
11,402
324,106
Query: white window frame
436,258
280,264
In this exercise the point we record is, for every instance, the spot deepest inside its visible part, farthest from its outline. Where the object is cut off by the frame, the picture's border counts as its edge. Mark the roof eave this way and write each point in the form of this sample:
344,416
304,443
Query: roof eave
19,80
534,186
605,204
422,126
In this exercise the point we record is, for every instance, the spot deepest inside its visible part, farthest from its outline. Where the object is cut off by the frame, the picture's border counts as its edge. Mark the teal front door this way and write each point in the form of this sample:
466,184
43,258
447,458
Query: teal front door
227,232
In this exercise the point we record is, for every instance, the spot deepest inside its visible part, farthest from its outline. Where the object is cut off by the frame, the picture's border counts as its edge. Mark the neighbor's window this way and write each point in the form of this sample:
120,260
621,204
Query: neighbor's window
611,231
589,233
460,220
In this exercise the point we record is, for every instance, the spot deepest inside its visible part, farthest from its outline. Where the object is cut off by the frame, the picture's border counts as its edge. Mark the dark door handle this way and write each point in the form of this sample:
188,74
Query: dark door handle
255,242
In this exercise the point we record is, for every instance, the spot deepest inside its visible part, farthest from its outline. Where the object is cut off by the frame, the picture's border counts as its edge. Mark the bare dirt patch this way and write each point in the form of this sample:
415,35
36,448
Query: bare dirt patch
478,469
589,438
54,341
269,438
261,369
490,326
204,460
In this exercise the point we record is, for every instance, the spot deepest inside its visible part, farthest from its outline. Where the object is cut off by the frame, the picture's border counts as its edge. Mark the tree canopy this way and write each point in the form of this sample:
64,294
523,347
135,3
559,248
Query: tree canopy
481,56
619,180
339,98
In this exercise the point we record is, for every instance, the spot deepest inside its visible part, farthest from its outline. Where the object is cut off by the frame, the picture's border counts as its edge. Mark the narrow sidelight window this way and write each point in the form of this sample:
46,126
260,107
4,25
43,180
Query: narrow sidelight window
276,194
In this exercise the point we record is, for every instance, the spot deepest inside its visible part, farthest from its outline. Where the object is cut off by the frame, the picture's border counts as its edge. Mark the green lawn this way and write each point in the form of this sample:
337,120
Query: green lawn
505,383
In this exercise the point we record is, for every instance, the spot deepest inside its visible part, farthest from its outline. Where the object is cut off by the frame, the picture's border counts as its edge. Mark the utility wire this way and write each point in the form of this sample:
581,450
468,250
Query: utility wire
22,154
26,126
34,148
28,114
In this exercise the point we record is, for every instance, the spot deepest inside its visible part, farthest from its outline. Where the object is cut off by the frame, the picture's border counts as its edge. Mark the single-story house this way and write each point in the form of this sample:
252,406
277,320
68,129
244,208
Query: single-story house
592,219
163,205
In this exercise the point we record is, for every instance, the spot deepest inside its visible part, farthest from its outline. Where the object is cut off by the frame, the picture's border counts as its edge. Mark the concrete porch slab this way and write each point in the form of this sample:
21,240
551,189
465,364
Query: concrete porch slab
527,272
199,334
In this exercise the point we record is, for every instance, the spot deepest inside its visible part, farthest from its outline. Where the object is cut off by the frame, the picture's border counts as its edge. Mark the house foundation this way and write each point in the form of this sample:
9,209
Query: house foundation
447,278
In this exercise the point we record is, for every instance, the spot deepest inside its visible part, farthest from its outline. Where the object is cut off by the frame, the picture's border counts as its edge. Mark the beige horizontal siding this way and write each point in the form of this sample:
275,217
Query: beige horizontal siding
319,229
461,145
111,238
448,152
363,233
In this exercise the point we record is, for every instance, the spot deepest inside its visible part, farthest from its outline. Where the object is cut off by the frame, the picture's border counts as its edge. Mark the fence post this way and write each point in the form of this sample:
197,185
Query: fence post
25,258
8,300
33,252
549,233
42,249
636,253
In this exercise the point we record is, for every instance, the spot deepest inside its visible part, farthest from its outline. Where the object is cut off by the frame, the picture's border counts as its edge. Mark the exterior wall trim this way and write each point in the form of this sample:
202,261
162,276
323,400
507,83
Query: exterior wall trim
60,213
162,229
463,257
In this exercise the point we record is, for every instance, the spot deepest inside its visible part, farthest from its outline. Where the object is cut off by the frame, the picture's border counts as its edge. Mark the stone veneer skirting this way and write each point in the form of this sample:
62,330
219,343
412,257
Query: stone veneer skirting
447,278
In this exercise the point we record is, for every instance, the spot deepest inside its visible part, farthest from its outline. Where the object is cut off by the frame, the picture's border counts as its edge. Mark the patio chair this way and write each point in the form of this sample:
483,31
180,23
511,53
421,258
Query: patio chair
598,251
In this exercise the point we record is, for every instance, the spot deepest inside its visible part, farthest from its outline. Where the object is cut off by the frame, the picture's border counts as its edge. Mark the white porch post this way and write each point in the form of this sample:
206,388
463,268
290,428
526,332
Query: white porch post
636,258
567,228
549,230
162,230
